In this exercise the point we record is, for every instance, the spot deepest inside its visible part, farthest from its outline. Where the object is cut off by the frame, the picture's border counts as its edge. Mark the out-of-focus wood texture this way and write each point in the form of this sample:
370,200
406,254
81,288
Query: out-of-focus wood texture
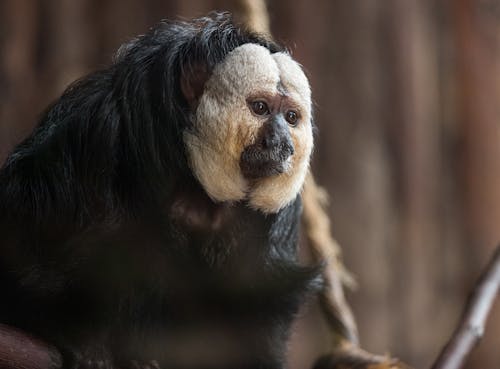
408,110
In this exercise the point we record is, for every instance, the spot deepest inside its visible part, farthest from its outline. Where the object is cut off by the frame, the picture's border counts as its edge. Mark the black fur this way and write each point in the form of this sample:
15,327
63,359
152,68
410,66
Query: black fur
111,251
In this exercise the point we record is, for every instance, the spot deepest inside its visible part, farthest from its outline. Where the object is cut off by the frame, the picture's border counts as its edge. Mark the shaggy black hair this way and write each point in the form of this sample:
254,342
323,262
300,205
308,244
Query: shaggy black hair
109,250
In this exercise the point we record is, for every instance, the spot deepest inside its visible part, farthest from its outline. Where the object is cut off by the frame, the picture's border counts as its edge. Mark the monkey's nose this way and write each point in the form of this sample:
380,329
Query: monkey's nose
270,139
269,155
278,142
276,138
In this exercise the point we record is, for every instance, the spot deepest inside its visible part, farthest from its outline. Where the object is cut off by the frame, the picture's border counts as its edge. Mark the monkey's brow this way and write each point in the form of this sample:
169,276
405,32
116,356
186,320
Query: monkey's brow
281,88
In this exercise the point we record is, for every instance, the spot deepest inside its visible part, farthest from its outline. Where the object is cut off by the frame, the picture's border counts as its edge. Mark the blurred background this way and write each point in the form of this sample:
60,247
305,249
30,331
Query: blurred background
407,104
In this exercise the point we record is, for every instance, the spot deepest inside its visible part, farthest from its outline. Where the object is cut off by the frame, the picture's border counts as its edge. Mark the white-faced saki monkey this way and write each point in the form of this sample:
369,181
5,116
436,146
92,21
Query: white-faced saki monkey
151,219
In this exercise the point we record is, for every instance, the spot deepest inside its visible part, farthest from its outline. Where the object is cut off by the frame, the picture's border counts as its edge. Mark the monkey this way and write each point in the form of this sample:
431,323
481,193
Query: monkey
151,218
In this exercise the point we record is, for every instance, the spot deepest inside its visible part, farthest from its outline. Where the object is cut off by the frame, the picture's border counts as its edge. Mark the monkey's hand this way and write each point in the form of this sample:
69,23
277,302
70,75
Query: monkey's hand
88,357
20,350
153,364
352,357
98,357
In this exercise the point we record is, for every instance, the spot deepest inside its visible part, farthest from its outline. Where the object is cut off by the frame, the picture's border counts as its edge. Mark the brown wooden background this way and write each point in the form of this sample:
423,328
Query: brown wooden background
408,107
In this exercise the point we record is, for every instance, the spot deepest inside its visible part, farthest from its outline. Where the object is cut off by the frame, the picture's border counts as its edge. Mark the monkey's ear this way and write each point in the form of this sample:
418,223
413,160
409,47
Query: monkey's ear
192,83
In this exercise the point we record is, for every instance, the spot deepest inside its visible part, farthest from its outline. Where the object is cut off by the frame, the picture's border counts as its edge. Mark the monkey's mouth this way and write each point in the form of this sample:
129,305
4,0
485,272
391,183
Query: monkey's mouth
256,162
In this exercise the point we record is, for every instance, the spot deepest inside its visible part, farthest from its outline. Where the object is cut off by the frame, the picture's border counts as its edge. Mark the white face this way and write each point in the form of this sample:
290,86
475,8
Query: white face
224,125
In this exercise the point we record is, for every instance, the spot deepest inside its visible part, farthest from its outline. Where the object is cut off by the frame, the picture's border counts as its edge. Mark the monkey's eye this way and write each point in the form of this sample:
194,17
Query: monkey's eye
260,108
291,117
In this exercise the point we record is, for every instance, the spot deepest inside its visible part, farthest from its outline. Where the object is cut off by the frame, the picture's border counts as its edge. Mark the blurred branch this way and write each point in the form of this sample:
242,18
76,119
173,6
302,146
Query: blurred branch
316,225
472,324
20,350
254,14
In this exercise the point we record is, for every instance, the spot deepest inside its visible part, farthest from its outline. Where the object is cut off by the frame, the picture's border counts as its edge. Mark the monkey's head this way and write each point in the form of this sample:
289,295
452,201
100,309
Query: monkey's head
250,136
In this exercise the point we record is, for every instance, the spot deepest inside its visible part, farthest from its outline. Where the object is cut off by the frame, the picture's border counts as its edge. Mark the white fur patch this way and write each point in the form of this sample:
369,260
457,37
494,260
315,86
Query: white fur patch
224,126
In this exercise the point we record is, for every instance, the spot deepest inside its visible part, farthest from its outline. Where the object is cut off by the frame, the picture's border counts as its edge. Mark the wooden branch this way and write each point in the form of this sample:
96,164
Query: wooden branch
20,350
254,15
471,327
